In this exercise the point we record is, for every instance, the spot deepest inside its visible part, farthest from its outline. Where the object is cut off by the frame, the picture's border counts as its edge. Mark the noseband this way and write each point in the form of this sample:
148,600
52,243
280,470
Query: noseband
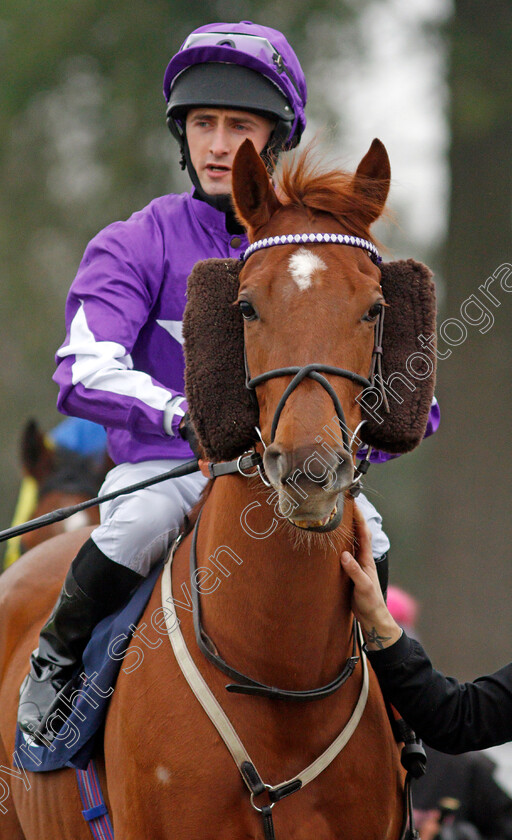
310,371
314,370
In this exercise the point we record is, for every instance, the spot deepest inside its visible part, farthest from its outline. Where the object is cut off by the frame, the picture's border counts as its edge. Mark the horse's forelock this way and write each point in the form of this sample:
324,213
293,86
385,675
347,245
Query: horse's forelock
304,182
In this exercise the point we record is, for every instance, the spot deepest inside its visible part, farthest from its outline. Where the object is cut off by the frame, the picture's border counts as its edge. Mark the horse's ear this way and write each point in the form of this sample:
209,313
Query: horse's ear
408,360
371,182
253,194
223,411
37,456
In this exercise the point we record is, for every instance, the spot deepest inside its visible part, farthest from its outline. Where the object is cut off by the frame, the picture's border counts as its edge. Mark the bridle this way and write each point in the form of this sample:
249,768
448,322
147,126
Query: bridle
243,684
315,370
302,238
311,371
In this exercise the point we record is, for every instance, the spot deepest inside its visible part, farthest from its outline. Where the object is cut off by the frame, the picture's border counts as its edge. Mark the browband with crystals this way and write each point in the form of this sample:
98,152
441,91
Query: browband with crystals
301,238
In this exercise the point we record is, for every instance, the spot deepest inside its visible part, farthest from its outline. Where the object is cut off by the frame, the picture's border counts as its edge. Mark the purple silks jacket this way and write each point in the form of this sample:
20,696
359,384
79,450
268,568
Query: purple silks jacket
434,418
122,359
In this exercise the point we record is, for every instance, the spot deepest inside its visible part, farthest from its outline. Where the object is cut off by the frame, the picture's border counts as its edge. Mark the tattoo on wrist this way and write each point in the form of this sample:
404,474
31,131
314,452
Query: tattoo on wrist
373,638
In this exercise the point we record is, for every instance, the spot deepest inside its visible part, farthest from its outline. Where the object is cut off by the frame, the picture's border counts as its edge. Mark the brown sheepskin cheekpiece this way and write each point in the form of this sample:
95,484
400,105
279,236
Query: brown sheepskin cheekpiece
408,367
224,411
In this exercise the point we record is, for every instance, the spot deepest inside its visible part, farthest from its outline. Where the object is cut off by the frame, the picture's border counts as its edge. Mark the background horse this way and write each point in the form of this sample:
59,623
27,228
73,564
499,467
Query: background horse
54,476
275,602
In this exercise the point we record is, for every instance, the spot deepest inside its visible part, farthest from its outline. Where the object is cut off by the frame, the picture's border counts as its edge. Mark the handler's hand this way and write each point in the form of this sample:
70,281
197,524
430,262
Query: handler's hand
379,627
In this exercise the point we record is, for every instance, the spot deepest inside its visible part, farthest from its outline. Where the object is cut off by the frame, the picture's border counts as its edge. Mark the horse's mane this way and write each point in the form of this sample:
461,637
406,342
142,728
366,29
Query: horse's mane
302,181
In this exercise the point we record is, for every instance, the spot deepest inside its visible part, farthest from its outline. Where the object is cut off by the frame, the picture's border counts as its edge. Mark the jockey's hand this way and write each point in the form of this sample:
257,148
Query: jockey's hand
379,628
188,433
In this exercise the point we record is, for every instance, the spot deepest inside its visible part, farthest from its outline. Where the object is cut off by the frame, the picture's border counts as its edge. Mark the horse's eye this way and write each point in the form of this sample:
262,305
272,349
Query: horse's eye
373,312
247,310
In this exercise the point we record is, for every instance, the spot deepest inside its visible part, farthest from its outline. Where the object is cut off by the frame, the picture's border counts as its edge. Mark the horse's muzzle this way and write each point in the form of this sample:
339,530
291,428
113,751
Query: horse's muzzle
309,482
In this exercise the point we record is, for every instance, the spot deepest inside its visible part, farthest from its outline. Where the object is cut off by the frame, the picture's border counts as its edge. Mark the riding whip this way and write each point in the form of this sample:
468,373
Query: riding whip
64,513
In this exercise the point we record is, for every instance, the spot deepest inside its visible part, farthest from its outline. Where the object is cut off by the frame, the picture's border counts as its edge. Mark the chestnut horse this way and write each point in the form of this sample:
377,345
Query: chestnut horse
275,603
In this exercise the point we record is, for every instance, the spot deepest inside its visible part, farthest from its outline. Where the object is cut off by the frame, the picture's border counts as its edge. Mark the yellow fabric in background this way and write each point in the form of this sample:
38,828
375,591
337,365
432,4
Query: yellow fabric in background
25,506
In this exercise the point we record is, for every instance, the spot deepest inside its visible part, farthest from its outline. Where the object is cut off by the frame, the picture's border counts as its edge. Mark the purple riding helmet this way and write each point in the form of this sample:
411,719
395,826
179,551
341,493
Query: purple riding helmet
238,65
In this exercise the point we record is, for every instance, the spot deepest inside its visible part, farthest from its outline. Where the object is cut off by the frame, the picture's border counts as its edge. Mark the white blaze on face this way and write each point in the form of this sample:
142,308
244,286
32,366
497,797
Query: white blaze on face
303,264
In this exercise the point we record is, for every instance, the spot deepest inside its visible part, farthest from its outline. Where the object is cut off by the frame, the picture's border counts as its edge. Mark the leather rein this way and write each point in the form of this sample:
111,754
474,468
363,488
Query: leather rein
247,685
244,763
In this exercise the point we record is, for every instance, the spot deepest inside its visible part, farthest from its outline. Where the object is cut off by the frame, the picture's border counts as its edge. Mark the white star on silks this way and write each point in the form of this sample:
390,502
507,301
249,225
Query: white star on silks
174,328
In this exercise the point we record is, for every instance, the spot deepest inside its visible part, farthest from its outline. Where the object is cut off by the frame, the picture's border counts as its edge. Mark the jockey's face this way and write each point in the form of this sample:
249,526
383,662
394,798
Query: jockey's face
214,135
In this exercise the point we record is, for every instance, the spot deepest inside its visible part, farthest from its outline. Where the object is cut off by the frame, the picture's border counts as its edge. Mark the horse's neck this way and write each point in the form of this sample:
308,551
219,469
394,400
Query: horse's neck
283,592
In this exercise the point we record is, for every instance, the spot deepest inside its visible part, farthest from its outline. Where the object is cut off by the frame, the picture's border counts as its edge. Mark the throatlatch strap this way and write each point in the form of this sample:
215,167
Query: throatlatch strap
95,811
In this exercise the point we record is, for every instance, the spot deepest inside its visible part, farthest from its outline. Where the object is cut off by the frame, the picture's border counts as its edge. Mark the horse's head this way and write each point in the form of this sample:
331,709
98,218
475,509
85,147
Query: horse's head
310,303
297,324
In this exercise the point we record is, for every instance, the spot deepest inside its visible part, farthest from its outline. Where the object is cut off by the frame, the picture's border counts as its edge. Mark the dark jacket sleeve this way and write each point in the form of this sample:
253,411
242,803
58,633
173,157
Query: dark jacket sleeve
449,716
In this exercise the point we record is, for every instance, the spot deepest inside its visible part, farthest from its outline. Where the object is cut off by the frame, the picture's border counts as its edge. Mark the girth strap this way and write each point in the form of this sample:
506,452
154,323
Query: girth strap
268,822
95,811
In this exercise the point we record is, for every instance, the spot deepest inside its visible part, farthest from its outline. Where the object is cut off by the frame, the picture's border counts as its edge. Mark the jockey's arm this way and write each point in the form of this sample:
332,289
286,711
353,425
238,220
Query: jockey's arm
108,306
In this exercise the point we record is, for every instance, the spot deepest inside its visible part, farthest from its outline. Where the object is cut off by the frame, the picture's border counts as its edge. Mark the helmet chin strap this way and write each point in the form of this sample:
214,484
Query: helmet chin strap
275,145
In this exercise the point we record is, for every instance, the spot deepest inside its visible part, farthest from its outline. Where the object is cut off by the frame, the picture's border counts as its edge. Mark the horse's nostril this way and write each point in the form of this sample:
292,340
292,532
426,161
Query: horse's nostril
306,467
276,464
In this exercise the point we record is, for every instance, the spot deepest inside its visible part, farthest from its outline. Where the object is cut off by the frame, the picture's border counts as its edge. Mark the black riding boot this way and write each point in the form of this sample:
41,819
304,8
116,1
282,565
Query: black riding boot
95,586
382,566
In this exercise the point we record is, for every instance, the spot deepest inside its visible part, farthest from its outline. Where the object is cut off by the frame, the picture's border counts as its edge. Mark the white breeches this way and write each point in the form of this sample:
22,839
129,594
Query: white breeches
380,541
138,528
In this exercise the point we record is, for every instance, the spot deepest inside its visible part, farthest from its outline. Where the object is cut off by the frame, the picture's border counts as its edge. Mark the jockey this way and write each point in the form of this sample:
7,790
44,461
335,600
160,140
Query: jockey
122,364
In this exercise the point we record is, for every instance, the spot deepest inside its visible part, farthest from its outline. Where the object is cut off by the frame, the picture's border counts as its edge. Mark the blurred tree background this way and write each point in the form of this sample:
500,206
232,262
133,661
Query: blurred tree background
83,142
